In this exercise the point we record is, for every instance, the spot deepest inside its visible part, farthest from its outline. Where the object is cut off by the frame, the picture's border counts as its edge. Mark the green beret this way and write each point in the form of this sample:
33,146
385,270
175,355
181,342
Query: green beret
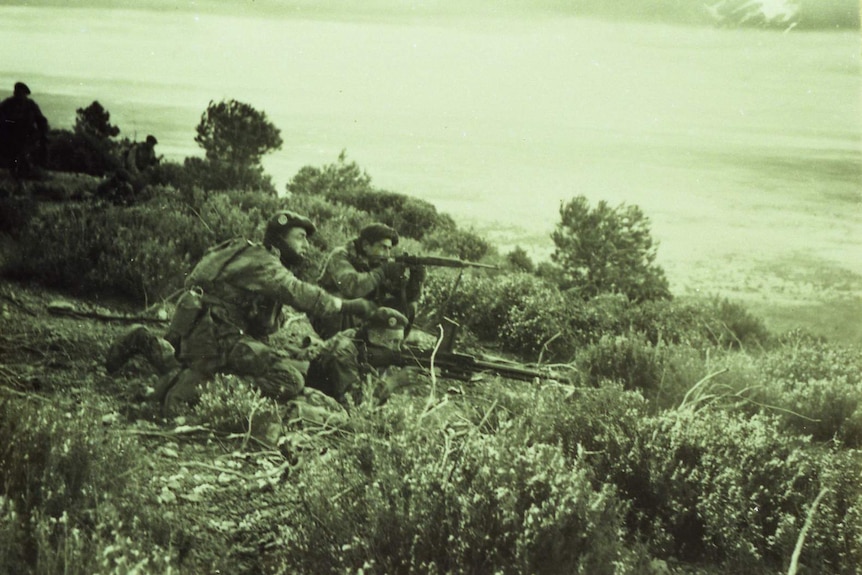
373,233
387,318
285,219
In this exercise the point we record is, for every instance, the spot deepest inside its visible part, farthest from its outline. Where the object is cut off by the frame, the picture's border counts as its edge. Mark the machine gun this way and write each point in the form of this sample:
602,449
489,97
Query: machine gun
465,367
439,261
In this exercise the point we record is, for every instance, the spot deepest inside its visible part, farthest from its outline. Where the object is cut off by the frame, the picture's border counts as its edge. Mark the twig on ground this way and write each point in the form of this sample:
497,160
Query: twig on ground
19,305
545,346
24,394
433,395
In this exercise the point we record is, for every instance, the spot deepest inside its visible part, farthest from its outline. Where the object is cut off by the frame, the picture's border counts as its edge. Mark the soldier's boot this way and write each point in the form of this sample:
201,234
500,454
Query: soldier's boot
139,340
182,391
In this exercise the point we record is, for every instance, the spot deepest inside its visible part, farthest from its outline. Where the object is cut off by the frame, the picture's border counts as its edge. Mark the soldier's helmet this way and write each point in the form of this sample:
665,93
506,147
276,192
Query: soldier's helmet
151,140
283,221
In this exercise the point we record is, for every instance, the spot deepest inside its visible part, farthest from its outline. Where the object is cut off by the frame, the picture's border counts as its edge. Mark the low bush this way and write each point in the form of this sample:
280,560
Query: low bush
463,244
519,310
231,405
625,359
69,503
496,506
82,152
816,386
345,183
142,252
732,490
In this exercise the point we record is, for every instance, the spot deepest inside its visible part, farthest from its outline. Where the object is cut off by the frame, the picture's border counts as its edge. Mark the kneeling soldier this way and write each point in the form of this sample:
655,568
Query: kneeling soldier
233,303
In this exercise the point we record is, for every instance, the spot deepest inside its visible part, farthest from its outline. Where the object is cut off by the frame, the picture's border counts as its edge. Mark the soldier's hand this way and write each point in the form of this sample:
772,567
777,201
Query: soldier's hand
418,273
392,270
361,307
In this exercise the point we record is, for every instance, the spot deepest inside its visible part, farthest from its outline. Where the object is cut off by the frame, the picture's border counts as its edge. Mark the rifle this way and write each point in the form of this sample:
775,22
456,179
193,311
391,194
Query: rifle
464,367
439,261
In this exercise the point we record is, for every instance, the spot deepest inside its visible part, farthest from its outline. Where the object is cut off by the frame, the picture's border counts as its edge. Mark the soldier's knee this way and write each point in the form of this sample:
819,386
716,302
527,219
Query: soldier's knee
283,382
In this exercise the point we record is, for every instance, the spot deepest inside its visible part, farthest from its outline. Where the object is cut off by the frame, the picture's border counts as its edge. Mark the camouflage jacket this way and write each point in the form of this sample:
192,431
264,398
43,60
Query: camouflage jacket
244,284
350,274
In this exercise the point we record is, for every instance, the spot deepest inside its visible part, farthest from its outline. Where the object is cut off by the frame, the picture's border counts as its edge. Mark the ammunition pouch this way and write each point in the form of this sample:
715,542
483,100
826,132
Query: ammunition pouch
189,310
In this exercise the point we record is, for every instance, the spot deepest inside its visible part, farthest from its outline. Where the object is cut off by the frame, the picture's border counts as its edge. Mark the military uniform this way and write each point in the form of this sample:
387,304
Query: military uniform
233,304
349,274
350,365
23,130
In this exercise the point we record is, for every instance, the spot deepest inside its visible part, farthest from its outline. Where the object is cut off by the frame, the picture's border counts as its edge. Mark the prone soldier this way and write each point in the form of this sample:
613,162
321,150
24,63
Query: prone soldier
351,366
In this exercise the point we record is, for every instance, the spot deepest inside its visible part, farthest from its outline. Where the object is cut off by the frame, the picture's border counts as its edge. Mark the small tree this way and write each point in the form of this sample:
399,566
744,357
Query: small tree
95,120
607,250
234,133
520,260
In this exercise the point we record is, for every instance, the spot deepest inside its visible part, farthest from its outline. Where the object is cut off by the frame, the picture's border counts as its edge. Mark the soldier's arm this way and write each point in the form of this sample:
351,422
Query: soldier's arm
41,120
262,272
352,283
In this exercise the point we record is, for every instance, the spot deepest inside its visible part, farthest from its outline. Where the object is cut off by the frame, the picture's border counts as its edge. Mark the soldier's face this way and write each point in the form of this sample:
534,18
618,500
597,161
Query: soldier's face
388,338
379,250
297,240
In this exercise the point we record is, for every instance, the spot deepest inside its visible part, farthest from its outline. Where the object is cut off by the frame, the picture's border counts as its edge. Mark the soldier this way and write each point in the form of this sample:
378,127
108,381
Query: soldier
362,269
233,302
142,156
352,363
23,131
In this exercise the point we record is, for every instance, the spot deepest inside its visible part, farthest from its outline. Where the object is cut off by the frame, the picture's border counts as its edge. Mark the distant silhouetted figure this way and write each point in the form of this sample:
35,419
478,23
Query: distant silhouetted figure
23,132
142,155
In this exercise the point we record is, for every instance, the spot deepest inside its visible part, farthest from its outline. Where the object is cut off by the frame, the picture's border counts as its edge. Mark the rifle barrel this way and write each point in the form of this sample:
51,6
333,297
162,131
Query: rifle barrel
440,261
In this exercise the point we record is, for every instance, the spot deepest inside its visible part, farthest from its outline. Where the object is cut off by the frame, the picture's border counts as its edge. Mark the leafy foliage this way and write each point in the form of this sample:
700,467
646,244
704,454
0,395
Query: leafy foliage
95,120
607,250
232,132
345,183
69,503
495,505
653,459
235,137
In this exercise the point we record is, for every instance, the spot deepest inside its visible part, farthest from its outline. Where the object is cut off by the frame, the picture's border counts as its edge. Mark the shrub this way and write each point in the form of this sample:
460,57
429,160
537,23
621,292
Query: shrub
626,359
69,503
519,310
231,405
817,386
733,326
519,260
495,504
345,183
671,321
463,244
141,252
717,486
81,152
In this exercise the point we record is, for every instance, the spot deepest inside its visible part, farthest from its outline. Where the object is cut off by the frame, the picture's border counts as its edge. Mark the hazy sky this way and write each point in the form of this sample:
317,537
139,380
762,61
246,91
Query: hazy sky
802,13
